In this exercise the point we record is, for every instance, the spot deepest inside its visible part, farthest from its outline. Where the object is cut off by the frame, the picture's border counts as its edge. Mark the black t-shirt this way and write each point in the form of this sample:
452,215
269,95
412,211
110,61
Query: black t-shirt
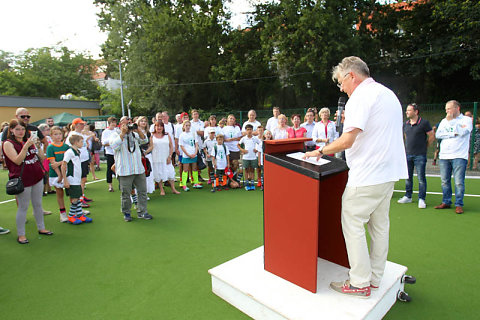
416,136
30,128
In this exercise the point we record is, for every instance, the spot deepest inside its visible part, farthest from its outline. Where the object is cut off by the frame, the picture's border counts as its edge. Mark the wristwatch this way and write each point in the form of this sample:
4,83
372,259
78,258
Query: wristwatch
321,149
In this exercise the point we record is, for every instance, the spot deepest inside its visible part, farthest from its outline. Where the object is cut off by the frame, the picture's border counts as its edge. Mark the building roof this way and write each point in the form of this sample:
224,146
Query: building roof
34,102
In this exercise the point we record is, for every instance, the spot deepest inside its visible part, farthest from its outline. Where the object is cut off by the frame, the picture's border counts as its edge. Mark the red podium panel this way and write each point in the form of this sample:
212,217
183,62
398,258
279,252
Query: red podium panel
302,206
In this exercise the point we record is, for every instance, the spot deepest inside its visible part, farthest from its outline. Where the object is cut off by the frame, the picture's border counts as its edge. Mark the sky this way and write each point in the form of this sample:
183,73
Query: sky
73,23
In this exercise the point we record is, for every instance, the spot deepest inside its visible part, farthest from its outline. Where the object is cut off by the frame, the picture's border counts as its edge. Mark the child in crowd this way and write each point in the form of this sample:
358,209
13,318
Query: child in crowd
208,145
55,153
46,131
72,176
249,151
221,161
259,148
189,146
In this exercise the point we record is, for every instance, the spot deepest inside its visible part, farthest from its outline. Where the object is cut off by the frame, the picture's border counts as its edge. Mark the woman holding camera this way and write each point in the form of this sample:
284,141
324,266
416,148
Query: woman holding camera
20,150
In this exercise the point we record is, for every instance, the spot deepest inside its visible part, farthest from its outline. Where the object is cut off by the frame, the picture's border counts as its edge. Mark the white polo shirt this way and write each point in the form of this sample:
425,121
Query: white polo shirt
254,124
455,135
378,153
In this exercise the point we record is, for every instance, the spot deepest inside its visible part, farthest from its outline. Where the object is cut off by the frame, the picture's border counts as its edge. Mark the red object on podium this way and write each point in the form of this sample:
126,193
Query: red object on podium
302,209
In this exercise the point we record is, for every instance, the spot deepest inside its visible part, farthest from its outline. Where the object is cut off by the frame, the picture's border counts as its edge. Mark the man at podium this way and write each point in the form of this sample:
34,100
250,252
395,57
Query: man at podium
373,144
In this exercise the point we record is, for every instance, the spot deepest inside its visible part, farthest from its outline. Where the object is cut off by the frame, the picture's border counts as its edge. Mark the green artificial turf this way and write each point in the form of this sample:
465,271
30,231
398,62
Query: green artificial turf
158,269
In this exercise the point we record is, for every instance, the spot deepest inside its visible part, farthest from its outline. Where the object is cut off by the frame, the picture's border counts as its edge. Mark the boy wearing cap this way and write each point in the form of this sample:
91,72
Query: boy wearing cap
208,145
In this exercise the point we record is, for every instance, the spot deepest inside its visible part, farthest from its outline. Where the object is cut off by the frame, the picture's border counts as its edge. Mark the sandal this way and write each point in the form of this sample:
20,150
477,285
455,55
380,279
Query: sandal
46,233
22,241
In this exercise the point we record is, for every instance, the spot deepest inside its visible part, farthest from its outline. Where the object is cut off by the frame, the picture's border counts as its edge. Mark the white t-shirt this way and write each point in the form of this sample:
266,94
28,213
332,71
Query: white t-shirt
76,177
455,135
272,123
188,141
178,132
198,126
250,145
209,144
84,156
378,153
254,124
207,130
260,151
232,132
221,156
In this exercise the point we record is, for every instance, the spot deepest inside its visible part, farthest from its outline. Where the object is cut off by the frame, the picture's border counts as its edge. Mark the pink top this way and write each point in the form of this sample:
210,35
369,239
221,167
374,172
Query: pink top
32,172
298,133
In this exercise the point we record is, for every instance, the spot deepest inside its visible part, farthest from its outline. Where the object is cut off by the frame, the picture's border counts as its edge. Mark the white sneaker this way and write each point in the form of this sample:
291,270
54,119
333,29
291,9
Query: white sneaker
63,217
405,200
422,204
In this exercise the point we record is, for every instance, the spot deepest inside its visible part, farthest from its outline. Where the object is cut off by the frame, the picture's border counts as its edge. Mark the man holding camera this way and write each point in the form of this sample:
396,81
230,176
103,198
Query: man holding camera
129,167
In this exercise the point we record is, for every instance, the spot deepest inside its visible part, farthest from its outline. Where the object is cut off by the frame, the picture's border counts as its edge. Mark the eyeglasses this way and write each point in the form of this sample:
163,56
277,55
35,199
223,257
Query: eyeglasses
339,85
25,116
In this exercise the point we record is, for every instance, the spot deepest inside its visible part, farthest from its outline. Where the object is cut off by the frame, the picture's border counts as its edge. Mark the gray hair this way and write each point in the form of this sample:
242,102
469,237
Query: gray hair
455,103
350,64
43,127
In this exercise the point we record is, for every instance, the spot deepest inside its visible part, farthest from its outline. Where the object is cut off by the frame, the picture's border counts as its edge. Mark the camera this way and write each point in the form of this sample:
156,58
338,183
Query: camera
132,126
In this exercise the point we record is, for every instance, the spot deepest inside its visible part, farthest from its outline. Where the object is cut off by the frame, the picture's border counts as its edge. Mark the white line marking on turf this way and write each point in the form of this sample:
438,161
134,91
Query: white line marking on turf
95,181
439,193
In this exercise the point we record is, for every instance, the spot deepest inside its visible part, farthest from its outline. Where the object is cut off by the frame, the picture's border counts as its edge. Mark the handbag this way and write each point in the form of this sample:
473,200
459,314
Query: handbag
146,165
200,163
15,185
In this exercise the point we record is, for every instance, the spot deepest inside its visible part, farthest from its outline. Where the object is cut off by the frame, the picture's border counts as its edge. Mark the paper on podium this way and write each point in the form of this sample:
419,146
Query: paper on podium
313,160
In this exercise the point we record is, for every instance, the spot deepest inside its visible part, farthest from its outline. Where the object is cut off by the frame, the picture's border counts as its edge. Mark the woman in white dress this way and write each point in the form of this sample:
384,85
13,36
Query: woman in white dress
142,123
281,131
161,148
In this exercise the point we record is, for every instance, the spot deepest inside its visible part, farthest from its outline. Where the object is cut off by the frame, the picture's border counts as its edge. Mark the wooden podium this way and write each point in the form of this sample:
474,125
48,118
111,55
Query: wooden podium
302,209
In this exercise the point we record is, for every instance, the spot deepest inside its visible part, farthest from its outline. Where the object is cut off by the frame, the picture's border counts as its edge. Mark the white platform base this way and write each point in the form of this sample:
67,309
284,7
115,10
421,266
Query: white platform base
245,284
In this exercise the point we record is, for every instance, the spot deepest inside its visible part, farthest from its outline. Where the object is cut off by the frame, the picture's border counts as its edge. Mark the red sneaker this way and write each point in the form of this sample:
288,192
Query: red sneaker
259,183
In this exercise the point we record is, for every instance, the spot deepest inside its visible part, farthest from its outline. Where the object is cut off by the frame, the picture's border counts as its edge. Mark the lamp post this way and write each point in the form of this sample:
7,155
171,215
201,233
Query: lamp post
121,83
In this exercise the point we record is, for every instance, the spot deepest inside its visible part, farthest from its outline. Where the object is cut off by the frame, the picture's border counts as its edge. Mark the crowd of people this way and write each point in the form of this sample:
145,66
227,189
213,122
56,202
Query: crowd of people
143,156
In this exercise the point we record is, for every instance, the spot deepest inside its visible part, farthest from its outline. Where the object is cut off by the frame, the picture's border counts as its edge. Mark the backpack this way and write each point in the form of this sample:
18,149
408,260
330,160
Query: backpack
224,148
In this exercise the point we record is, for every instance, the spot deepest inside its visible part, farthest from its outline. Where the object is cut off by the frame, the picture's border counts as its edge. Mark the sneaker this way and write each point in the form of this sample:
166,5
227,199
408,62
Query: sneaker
85,219
145,216
404,199
213,189
127,217
83,204
346,288
4,231
197,186
185,188
259,183
422,204
63,217
85,212
252,187
74,220
87,199
247,188
47,213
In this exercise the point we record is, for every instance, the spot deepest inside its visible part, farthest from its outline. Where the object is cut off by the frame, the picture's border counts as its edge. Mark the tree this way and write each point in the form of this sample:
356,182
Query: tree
49,72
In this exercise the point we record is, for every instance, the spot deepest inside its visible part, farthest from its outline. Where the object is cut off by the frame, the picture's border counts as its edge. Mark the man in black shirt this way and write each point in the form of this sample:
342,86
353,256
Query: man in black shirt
418,136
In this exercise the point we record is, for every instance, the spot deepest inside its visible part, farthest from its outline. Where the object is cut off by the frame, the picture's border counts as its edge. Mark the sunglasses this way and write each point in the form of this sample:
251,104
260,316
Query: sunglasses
25,116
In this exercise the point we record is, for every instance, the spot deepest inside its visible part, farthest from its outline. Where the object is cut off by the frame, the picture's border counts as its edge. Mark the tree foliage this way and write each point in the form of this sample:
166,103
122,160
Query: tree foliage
47,72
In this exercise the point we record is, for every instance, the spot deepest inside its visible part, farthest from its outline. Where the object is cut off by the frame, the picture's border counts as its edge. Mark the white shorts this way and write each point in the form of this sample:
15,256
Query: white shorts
53,181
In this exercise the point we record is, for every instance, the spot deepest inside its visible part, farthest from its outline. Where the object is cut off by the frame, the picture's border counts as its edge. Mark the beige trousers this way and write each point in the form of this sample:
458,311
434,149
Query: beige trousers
366,205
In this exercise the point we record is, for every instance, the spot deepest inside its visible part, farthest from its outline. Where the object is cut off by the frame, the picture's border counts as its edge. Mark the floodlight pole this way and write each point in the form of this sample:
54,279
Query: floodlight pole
121,84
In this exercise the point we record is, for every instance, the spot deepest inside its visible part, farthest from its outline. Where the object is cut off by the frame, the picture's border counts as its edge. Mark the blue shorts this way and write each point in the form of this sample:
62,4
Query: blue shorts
189,160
